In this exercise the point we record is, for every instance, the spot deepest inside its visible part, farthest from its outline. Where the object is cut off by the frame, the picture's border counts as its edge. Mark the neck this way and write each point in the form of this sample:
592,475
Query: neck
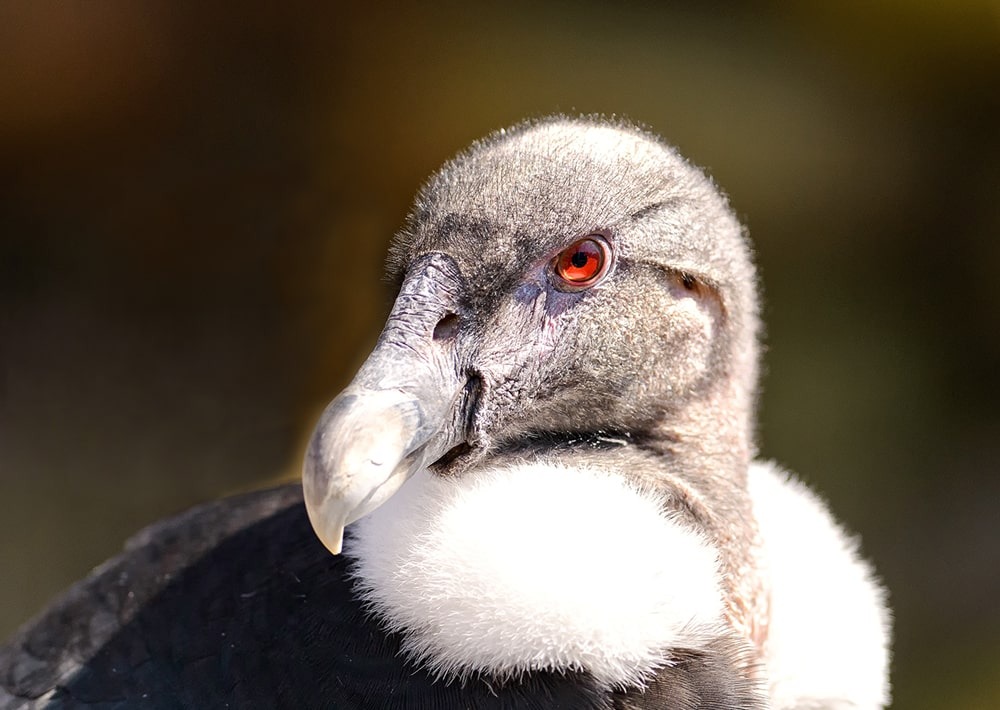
710,447
710,434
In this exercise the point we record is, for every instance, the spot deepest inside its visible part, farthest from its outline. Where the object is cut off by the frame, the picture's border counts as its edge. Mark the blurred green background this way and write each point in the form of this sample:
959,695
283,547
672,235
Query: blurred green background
195,202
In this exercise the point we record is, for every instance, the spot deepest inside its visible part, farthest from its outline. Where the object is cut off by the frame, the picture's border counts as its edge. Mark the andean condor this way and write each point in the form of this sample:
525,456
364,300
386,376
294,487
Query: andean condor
541,485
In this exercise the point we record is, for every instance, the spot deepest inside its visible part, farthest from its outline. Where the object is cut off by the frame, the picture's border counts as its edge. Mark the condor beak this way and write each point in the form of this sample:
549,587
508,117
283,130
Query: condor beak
404,410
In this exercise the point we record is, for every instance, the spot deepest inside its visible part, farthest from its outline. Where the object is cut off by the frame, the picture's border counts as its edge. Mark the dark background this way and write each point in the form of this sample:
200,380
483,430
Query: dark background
195,202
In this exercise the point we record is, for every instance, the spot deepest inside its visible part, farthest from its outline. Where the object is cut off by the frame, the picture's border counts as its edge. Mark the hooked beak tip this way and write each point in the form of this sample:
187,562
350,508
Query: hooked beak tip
328,518
333,540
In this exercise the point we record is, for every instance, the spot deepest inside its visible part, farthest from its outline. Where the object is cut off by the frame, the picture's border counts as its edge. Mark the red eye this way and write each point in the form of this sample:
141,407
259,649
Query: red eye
582,263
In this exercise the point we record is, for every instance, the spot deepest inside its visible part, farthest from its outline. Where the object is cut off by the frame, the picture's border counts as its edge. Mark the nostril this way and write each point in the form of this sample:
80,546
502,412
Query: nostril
446,328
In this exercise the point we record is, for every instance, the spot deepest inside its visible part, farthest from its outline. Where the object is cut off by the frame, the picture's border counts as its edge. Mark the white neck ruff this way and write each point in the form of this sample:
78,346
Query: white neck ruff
536,566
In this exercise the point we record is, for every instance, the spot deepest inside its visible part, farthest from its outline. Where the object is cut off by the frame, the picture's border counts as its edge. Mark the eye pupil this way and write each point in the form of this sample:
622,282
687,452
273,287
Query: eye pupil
582,264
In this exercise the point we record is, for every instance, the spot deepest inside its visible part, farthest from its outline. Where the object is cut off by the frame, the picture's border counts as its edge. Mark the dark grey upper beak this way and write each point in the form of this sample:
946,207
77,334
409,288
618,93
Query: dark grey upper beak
402,411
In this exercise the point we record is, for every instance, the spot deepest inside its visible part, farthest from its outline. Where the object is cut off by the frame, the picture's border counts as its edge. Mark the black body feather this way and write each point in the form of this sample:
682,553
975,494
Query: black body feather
265,617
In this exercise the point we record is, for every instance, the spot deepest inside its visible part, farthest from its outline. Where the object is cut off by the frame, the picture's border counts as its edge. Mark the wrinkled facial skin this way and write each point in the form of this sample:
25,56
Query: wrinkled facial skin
543,354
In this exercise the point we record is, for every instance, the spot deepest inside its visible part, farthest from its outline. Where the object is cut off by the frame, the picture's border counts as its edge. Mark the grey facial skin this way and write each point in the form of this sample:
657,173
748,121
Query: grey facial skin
652,372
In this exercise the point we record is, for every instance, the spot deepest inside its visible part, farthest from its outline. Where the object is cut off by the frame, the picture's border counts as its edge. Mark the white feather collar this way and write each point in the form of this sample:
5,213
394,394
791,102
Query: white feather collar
536,566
